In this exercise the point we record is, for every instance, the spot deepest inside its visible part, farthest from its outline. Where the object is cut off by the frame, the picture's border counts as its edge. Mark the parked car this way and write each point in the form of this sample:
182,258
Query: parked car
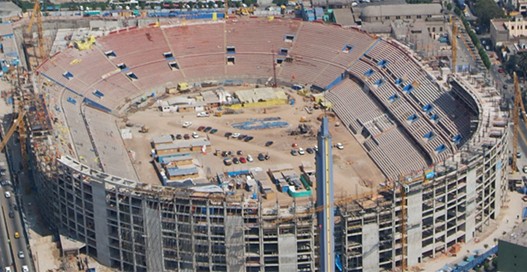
212,131
294,152
179,137
201,128
301,151
310,150
269,143
261,157
235,135
187,124
250,158
186,136
239,152
195,135
243,160
339,146
228,134
207,129
202,114
227,161
7,194
235,161
21,254
248,138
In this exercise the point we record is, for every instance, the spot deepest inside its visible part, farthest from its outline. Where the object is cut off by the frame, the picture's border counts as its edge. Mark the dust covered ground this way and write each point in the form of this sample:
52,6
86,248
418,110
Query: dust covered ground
354,171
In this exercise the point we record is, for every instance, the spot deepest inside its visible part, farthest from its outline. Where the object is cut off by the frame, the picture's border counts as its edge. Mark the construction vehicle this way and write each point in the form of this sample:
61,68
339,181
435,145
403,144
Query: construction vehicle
518,110
144,129
84,44
183,87
19,121
245,11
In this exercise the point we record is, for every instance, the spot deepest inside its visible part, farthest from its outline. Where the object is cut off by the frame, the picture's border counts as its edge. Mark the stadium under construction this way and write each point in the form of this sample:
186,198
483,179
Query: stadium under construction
442,148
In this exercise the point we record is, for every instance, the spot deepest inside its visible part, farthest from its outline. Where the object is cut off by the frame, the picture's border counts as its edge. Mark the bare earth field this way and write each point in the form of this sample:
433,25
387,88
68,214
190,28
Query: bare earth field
354,171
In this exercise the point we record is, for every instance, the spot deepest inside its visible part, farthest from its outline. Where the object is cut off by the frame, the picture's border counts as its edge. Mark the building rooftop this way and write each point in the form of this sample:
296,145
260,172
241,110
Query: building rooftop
518,236
9,9
175,171
162,139
5,28
344,17
259,94
401,10
499,24
184,144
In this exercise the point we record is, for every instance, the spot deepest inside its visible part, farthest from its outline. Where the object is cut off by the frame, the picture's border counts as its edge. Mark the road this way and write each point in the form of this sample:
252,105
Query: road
12,223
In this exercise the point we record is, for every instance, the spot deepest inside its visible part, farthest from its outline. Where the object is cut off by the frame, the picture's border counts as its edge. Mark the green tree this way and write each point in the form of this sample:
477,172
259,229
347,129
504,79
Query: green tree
486,10
449,6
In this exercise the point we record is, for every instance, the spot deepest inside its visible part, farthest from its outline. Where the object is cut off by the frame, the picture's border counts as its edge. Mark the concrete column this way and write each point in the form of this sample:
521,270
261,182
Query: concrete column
370,247
100,220
152,237
287,252
470,213
414,227
235,246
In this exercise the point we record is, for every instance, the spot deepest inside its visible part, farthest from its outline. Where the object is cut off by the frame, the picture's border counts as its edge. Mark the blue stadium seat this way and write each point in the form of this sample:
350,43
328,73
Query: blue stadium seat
412,118
440,148
408,88
427,107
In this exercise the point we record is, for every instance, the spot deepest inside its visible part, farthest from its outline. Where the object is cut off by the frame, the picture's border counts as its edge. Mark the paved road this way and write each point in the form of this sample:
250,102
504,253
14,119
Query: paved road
12,223
5,256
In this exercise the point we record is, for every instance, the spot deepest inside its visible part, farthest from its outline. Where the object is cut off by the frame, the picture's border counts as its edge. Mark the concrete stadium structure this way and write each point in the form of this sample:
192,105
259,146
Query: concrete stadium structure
445,145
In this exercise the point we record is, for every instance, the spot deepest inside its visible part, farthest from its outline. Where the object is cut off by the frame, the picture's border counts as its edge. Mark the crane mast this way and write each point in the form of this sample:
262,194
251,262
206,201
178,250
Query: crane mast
454,44
36,16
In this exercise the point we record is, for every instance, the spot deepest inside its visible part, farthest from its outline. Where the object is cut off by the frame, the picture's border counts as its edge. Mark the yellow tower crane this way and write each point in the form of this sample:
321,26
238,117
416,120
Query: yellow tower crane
454,44
18,122
518,109
37,16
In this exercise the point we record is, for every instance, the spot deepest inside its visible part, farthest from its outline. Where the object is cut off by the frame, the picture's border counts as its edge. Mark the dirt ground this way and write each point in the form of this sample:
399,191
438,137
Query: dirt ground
354,171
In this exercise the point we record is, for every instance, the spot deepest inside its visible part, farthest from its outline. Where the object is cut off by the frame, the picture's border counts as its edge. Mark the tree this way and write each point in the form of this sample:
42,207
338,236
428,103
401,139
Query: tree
486,10
449,6
517,63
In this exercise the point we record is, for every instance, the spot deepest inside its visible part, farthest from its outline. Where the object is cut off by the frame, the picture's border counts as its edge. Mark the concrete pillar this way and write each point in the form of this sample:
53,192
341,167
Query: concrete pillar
235,246
470,213
153,239
414,227
287,252
370,247
100,220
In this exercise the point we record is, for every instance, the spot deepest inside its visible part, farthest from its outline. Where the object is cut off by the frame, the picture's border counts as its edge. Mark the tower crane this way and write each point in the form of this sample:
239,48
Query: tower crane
454,44
518,109
18,122
37,16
